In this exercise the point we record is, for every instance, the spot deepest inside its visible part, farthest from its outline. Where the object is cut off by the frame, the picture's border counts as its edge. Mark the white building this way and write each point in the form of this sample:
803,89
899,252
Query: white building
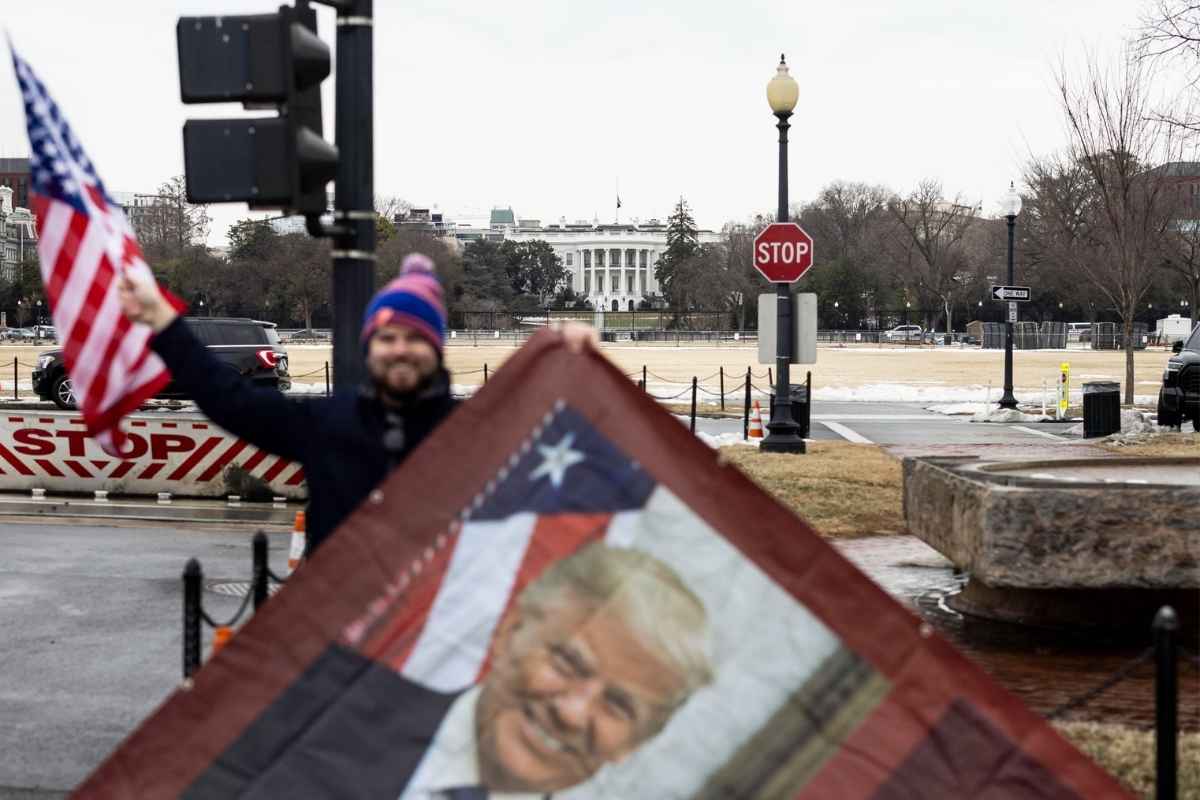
18,235
612,266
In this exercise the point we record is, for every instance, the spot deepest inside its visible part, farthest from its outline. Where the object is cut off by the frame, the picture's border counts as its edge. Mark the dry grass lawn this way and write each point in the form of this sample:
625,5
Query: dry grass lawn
1128,754
843,489
1186,443
836,366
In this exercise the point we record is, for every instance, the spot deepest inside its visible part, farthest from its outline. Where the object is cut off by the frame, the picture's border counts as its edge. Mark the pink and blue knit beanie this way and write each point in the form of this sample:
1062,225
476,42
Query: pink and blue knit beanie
413,298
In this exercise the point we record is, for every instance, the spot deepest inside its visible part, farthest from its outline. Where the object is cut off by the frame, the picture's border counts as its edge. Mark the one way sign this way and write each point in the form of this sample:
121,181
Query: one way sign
1019,293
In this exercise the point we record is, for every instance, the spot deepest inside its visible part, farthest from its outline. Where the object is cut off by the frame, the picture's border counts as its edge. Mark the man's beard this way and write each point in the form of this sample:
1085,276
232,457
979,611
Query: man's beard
398,397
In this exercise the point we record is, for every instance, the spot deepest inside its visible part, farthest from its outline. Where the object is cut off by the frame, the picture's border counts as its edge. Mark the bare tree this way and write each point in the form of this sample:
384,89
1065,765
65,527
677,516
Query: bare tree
166,223
1170,34
928,239
1181,246
1102,205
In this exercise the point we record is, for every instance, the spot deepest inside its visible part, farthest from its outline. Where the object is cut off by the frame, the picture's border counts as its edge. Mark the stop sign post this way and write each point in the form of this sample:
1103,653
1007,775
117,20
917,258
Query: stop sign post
783,252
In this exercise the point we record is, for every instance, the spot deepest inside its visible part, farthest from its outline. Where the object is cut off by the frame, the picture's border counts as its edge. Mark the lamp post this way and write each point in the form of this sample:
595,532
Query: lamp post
783,434
1010,206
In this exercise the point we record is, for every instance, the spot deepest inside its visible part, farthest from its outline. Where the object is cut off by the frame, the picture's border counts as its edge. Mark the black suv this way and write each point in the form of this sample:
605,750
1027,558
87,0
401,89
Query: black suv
246,345
1179,398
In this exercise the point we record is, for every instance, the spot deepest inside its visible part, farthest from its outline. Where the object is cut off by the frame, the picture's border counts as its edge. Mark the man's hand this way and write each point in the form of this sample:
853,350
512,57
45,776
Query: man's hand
141,301
579,336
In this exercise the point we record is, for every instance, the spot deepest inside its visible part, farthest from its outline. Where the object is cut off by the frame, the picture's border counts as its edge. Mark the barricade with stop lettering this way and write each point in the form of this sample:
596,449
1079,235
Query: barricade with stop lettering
185,455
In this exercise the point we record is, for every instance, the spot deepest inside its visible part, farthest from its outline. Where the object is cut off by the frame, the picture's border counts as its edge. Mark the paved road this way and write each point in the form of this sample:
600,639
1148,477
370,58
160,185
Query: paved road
909,426
90,620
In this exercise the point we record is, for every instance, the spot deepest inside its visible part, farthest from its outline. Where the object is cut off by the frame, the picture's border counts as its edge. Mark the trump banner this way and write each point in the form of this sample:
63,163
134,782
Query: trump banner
564,593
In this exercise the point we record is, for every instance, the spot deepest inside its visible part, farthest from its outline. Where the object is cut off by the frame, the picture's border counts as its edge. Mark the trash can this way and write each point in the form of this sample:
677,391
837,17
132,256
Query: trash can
1101,408
801,408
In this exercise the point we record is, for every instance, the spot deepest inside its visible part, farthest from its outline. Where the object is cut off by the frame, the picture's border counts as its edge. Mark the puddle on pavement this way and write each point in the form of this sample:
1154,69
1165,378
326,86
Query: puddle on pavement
1044,668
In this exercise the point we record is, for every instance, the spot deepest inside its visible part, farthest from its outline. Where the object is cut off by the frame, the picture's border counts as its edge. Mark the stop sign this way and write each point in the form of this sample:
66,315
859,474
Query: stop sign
783,252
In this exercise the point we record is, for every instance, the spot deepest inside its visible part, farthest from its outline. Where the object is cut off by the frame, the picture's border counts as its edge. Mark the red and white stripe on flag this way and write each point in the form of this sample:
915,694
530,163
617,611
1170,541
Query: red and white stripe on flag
85,244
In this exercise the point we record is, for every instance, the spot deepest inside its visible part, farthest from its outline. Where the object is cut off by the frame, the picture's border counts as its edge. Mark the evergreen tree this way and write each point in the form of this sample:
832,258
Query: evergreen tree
683,242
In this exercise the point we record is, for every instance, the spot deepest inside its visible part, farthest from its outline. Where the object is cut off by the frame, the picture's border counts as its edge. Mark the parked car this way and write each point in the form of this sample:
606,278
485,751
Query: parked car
248,346
1179,397
904,333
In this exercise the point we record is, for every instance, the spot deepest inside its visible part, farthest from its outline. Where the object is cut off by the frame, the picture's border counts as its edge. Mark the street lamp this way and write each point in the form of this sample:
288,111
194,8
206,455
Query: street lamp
783,434
1010,206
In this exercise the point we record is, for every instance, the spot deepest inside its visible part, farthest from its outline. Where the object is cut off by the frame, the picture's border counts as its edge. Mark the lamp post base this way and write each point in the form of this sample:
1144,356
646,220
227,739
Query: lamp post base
1008,400
783,437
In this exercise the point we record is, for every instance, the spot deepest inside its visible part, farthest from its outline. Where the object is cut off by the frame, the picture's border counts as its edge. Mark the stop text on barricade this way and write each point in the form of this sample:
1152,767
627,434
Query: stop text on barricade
185,455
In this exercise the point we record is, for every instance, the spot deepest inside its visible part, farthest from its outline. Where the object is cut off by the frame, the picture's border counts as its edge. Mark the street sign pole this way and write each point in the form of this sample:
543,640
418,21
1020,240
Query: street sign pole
354,201
783,434
1008,399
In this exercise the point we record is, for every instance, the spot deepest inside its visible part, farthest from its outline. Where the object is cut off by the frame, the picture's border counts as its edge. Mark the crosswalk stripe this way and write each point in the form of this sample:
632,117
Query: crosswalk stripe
846,433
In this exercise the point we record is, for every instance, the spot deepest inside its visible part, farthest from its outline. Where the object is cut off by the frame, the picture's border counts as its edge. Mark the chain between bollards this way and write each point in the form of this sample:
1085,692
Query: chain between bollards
1166,705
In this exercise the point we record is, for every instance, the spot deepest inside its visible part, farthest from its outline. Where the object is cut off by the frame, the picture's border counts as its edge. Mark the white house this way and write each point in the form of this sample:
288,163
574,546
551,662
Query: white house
610,265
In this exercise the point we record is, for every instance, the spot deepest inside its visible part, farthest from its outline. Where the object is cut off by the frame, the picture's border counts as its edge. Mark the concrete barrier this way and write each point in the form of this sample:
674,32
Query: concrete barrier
183,454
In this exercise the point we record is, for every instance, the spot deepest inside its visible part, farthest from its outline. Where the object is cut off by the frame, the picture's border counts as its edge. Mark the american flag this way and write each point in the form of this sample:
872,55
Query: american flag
85,244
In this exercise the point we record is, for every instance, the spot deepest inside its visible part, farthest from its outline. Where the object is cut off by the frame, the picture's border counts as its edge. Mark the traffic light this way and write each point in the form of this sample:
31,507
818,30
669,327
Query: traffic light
272,61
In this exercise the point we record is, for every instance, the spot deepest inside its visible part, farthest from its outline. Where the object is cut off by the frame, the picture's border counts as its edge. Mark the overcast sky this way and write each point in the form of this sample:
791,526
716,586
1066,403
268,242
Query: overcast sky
546,106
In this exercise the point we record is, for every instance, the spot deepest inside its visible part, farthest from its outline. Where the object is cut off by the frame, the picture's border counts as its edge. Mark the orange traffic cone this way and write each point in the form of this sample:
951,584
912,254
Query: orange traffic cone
756,426
221,637
296,555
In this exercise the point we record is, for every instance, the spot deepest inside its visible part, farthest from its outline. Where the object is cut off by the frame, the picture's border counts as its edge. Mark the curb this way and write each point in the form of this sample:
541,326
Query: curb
215,512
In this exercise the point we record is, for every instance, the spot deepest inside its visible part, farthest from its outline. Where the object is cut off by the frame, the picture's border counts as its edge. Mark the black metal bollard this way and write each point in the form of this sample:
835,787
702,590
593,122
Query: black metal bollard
485,372
16,392
258,547
1166,705
808,405
746,410
722,371
693,404
770,377
644,384
193,579
327,379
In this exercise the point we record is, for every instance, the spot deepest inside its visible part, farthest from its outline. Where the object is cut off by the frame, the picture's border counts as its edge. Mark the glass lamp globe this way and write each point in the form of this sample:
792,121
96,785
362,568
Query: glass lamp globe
782,90
1010,205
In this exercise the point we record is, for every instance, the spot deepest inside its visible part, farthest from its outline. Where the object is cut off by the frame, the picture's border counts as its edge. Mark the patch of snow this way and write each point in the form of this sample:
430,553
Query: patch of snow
1135,427
716,440
951,409
1007,415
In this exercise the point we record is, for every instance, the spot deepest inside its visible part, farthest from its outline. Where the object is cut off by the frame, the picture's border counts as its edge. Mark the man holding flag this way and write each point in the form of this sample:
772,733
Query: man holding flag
124,340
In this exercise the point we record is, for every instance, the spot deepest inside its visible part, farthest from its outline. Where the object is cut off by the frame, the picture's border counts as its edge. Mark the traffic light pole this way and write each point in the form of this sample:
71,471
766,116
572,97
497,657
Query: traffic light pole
782,431
353,230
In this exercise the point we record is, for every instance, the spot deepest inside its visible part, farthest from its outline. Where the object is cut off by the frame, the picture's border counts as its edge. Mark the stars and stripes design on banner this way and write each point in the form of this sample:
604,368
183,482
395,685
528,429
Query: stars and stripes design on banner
379,669
85,244
564,491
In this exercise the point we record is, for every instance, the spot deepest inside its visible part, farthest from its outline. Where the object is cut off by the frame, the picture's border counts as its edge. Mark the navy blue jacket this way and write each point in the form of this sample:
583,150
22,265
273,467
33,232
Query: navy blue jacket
340,440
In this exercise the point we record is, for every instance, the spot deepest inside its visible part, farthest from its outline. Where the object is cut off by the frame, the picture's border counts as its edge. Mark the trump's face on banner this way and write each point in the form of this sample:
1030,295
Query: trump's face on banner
581,676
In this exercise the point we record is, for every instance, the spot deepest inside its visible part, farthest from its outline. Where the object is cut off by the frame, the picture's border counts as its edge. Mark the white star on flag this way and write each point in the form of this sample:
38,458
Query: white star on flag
557,460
